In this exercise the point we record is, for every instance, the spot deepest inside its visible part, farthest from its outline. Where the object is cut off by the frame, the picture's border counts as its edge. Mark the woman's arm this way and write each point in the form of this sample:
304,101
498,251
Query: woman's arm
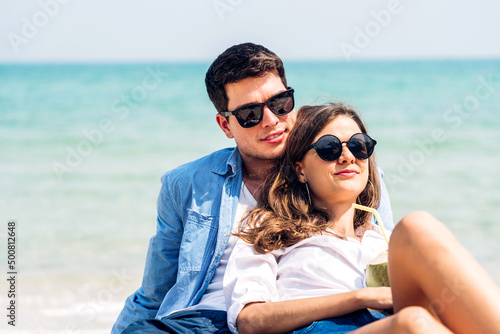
286,316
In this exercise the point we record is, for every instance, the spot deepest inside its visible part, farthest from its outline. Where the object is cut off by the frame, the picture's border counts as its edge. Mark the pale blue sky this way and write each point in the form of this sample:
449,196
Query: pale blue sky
159,30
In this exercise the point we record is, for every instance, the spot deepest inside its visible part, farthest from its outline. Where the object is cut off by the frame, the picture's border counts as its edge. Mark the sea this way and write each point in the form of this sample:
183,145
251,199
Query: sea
83,147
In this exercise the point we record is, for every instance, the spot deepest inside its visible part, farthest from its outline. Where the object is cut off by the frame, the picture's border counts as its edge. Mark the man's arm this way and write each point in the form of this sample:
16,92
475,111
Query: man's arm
161,264
384,209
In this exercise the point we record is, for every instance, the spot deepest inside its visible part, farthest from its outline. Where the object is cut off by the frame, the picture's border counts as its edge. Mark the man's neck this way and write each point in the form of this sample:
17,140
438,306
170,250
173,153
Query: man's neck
254,175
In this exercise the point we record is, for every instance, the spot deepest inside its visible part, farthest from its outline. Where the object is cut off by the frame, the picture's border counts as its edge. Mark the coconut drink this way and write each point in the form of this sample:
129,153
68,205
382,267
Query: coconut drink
376,271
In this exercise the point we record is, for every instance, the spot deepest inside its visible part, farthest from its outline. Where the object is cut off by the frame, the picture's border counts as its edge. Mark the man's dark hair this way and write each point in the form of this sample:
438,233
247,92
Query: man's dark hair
237,63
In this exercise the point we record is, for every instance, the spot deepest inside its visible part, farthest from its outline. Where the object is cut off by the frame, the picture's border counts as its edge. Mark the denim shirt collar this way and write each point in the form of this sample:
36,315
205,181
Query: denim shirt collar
232,166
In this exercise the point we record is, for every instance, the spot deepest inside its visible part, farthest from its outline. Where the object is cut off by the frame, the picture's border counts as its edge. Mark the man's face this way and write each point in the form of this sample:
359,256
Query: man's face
266,140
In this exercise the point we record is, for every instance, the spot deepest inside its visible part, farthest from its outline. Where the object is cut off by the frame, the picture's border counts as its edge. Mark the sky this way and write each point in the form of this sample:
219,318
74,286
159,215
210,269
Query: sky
198,30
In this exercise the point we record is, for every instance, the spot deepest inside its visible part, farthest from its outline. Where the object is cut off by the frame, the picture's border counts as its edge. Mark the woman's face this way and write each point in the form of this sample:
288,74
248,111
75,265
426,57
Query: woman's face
341,180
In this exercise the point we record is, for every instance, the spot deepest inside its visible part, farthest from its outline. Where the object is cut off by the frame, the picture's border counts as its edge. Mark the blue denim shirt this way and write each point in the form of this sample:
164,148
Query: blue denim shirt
196,208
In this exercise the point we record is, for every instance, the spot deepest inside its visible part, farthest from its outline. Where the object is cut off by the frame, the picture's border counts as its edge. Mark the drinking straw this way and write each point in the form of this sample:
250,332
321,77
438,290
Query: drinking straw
377,217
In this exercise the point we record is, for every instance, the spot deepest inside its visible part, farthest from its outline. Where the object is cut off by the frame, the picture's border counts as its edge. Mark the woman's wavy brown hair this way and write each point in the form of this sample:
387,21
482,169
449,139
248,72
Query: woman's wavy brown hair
284,215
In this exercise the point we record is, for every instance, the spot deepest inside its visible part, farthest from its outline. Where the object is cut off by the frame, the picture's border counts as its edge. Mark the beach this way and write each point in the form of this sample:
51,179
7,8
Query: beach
83,148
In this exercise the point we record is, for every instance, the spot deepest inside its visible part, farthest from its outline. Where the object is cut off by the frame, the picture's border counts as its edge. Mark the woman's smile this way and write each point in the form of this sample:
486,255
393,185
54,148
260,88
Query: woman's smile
347,173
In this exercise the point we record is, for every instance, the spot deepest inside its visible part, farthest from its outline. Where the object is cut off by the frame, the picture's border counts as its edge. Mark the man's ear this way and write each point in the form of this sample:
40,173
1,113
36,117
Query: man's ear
224,125
299,170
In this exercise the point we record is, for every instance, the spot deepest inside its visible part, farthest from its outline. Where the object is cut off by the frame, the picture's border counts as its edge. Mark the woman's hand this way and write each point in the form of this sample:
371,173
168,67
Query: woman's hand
376,298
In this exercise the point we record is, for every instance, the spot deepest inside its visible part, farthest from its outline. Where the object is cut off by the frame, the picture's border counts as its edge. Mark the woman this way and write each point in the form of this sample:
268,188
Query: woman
299,264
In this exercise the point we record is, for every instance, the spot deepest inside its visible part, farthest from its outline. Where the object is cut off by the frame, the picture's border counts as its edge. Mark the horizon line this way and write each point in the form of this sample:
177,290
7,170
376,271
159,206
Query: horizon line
205,61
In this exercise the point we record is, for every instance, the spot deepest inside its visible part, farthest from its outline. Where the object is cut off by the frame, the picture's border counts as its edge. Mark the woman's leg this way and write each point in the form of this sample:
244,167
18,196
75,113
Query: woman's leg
410,320
429,268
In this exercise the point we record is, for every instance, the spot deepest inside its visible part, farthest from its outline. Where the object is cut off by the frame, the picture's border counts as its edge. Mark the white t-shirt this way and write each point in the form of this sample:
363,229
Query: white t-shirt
213,298
317,266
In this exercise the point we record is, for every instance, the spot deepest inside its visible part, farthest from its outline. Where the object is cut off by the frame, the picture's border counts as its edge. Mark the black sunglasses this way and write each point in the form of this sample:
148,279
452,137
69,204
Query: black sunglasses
329,147
251,114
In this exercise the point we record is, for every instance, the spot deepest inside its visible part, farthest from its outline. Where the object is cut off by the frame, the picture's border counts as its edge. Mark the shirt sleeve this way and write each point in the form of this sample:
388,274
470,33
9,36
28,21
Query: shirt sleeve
384,209
161,264
249,277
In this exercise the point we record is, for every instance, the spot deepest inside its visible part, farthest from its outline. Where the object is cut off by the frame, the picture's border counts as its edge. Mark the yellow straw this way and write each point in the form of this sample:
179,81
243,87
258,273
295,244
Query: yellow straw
371,210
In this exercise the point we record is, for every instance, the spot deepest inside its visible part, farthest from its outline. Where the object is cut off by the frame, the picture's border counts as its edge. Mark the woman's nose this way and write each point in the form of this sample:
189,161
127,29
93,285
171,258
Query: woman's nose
346,156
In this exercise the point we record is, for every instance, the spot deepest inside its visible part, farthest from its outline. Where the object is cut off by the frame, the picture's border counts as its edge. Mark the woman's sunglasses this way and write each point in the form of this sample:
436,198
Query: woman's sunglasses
251,114
329,147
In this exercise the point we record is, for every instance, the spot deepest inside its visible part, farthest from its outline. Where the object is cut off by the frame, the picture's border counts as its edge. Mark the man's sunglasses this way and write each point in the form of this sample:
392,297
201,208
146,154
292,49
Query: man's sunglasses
329,147
251,114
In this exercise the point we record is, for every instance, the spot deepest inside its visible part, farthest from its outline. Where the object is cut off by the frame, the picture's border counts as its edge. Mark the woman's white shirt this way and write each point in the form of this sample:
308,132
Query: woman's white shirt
317,266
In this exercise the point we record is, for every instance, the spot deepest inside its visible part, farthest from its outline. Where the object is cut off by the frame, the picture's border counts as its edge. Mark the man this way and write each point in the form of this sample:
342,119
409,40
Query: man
201,202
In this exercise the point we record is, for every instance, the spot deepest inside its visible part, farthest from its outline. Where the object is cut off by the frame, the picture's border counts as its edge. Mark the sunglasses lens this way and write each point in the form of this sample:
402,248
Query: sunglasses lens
282,105
361,146
329,148
249,116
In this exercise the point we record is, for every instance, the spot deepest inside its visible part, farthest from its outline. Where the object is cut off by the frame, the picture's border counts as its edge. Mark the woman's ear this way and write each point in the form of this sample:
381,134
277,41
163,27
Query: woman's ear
299,170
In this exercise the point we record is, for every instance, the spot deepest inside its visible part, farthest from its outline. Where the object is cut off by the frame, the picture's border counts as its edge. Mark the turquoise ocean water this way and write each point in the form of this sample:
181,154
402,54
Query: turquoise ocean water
82,149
